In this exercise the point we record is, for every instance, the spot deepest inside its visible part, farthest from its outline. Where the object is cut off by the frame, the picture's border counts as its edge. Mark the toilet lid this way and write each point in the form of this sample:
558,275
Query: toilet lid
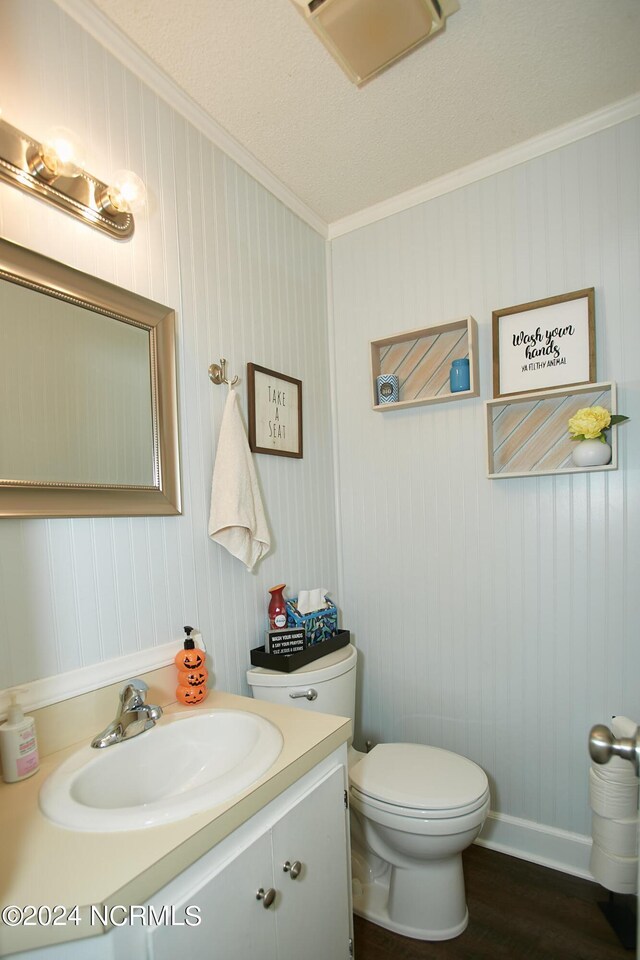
418,777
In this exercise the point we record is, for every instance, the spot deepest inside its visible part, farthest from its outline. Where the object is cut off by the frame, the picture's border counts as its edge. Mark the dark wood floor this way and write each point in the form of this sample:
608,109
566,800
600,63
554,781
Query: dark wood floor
517,910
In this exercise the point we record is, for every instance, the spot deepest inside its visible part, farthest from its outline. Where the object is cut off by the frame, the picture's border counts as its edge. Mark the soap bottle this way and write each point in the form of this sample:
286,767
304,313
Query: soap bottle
192,672
18,744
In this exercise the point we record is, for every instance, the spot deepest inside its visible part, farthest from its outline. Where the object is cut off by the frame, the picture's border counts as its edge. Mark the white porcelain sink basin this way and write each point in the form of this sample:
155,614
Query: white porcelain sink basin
182,766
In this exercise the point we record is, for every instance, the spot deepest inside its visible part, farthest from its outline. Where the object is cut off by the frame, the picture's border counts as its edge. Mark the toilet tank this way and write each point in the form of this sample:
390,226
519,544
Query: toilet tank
330,683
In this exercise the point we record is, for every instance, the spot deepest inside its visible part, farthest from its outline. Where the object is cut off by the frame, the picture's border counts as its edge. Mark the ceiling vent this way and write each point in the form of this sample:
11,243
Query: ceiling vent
366,36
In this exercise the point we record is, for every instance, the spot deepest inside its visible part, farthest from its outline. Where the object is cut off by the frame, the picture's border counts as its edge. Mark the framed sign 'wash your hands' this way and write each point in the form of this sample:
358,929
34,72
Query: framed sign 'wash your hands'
544,344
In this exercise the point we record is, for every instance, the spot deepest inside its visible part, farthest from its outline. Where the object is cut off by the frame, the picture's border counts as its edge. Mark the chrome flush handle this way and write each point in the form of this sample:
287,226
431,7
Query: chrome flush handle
309,694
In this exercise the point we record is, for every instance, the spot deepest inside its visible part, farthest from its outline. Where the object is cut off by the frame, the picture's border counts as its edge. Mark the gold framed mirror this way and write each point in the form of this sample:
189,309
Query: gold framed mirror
88,399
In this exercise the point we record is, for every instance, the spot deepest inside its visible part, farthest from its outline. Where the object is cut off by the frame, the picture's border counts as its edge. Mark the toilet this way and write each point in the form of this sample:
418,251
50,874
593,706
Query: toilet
414,809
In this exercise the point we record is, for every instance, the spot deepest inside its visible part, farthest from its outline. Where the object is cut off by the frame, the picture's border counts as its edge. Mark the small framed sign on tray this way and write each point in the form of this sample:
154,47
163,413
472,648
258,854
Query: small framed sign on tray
288,641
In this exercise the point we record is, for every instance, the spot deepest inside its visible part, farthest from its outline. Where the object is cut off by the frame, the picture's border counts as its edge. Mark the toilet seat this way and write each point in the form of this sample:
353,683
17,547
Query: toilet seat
421,813
417,781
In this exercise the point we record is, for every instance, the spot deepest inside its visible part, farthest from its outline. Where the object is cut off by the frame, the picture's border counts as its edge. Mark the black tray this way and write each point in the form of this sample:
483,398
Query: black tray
286,663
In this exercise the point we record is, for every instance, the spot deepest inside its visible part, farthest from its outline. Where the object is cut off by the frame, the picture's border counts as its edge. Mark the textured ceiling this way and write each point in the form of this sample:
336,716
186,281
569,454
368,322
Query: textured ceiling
500,73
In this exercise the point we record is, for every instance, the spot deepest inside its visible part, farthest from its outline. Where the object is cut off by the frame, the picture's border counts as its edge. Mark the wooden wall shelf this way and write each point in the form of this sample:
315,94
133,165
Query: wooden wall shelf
527,436
422,359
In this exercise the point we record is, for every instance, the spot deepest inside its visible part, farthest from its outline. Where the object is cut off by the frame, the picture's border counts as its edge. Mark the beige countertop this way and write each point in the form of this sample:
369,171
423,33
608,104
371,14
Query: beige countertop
43,864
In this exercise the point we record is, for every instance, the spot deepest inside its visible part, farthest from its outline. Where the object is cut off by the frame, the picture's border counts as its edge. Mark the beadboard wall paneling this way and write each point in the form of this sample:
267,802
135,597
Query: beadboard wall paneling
495,618
247,279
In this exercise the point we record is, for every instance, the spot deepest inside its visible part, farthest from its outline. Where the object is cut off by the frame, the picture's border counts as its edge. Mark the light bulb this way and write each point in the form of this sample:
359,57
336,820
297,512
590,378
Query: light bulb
62,153
126,193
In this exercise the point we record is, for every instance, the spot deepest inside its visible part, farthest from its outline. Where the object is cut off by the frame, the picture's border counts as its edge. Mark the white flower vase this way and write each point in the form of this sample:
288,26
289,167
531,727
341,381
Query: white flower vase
591,453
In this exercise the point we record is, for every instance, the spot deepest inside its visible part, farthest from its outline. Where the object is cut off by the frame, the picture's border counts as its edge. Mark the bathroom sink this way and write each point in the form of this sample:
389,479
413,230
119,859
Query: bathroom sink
182,766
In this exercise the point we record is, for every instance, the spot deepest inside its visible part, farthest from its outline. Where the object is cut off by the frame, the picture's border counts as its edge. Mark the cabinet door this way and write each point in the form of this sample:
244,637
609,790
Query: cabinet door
234,924
313,911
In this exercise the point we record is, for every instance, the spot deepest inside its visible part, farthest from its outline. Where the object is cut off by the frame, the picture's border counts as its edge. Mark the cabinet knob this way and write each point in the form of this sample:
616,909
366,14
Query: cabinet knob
293,869
267,896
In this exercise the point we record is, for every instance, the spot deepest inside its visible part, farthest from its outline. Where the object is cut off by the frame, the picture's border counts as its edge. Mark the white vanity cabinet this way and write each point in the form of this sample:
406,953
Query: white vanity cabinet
295,850
303,832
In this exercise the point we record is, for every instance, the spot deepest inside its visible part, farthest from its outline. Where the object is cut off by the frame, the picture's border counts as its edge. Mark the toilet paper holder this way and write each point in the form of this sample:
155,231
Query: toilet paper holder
603,745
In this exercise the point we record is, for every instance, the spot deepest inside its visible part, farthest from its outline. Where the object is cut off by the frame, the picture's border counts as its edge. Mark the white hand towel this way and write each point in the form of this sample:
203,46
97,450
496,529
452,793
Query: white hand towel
237,520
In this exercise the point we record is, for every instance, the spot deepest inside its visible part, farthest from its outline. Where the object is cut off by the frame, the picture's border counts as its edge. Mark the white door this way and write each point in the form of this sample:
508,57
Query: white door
313,913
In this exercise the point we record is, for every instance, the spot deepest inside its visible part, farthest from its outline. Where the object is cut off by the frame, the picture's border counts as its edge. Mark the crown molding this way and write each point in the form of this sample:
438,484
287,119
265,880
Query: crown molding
496,163
128,53
110,36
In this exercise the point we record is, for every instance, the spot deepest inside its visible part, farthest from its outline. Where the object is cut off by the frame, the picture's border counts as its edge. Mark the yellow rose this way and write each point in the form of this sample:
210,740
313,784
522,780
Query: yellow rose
589,422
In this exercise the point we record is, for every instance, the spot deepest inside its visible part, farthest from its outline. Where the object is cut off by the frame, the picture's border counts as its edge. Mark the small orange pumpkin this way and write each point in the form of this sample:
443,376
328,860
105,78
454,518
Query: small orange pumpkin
194,678
191,695
189,659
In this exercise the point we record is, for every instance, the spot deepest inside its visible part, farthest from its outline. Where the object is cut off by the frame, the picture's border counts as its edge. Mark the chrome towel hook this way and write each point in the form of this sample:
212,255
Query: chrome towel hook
218,373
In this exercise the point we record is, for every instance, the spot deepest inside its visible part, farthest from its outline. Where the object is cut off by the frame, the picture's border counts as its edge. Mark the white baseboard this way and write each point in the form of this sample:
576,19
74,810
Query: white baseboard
42,693
548,846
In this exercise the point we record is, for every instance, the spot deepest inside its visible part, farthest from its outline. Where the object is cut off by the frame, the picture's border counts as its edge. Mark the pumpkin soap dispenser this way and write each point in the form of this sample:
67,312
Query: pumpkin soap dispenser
192,672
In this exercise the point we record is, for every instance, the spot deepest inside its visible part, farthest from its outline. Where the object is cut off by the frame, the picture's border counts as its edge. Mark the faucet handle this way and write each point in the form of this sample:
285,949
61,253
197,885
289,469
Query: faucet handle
133,693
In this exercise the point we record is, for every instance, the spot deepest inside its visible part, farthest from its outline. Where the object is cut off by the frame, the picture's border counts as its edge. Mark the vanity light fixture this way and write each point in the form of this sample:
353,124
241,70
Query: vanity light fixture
61,154
53,170
125,193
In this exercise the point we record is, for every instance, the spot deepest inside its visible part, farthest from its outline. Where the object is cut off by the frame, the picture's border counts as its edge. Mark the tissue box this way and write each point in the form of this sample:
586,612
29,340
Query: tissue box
318,626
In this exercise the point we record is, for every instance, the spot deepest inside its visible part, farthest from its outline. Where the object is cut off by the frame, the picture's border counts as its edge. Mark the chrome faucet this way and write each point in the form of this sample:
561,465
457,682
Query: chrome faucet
134,716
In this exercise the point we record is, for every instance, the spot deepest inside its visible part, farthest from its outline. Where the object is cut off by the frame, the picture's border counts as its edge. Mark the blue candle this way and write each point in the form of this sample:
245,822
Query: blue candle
459,376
